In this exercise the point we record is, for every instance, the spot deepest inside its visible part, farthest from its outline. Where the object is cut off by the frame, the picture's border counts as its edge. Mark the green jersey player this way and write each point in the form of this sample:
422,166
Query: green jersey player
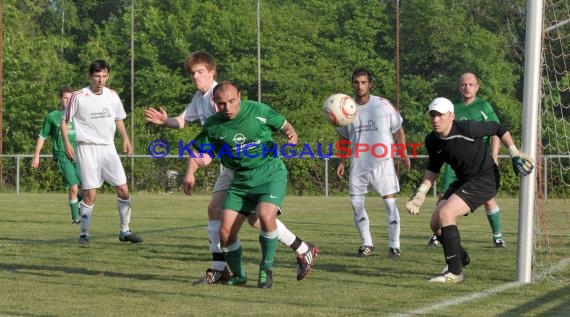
202,69
240,137
67,168
471,107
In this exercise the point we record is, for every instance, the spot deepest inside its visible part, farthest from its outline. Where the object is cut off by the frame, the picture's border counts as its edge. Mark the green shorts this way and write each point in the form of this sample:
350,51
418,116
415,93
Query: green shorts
69,171
266,184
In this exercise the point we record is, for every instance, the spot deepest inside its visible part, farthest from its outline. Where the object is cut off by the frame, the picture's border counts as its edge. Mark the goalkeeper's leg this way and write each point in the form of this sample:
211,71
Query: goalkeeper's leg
452,248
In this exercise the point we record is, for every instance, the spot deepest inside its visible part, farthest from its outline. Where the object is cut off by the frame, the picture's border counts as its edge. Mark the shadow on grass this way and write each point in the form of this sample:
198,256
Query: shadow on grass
25,268
561,309
19,314
57,241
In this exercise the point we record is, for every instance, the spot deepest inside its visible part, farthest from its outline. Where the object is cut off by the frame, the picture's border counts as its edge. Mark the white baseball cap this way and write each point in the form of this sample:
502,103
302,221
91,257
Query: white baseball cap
441,105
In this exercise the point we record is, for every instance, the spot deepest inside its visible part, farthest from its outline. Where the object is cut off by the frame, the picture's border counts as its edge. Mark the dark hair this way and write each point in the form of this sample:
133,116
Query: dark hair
200,57
222,86
362,72
98,65
63,89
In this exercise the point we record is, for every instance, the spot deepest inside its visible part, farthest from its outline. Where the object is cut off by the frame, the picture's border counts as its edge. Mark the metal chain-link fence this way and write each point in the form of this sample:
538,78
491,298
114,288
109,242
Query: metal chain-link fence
288,54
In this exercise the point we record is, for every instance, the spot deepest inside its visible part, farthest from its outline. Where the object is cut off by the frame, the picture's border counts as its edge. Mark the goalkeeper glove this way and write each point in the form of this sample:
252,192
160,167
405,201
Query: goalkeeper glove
415,202
522,163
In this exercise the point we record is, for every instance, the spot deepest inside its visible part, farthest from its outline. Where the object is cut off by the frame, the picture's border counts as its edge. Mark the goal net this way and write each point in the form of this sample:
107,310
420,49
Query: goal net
552,218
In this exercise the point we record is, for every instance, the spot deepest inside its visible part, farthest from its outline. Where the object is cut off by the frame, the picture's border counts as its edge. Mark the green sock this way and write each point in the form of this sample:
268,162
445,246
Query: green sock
74,205
269,242
495,222
233,258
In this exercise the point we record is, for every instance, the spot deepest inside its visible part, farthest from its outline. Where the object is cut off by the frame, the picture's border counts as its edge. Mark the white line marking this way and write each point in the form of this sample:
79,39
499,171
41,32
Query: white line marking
478,295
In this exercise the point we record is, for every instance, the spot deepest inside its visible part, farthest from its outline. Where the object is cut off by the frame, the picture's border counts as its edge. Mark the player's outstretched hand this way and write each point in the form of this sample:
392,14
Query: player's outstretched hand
415,202
522,164
155,116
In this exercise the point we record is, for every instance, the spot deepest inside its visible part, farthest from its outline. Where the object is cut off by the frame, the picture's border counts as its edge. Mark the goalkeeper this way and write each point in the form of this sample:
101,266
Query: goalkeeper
471,107
460,144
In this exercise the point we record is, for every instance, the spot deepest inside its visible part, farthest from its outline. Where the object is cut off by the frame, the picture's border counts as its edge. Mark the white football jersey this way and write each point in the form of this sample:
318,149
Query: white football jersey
374,125
94,115
201,107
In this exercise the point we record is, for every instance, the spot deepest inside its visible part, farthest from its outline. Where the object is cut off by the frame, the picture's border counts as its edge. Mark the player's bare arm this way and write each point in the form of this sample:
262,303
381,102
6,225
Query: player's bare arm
160,117
429,179
401,140
290,132
340,170
68,148
194,162
127,146
38,150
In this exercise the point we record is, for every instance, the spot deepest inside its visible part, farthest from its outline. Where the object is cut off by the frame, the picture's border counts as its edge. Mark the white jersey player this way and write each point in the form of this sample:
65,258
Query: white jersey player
97,112
202,68
372,165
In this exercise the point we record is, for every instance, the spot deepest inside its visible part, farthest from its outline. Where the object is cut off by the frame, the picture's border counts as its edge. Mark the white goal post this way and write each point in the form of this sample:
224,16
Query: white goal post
531,103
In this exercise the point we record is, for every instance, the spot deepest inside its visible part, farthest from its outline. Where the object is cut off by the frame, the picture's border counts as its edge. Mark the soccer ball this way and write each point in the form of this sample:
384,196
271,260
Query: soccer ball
339,109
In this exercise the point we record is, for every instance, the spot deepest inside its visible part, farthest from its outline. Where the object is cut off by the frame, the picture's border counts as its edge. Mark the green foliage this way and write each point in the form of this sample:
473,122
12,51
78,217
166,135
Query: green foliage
308,51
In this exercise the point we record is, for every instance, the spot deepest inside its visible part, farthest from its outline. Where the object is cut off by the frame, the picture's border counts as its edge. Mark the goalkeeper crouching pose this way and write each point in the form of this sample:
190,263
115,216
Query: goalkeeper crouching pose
460,144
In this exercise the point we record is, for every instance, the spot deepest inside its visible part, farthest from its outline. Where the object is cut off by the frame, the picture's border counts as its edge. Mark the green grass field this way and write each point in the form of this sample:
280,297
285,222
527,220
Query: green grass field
44,272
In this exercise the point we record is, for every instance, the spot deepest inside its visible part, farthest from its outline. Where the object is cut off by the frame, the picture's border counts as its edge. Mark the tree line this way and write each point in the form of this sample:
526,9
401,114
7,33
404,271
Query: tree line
307,51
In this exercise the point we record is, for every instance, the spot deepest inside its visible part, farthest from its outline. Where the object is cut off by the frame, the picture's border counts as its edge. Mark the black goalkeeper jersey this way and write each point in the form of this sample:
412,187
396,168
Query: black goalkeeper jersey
463,149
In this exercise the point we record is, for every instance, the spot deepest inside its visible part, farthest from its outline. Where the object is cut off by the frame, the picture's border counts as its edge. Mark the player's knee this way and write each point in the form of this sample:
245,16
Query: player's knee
492,208
215,207
214,211
74,190
434,225
122,191
253,221
357,202
225,236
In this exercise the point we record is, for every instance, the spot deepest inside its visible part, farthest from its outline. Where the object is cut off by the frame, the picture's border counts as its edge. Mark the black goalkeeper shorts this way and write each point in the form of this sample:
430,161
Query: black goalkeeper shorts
477,190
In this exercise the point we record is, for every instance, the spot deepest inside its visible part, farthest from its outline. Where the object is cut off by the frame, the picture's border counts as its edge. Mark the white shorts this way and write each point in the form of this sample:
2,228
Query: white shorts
224,180
98,163
382,179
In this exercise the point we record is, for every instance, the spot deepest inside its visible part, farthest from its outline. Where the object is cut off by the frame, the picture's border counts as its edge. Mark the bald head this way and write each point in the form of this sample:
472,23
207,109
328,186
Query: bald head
227,98
468,87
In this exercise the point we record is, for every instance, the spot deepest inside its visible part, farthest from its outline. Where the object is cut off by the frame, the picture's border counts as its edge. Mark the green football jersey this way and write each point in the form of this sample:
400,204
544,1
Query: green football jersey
244,143
478,110
52,128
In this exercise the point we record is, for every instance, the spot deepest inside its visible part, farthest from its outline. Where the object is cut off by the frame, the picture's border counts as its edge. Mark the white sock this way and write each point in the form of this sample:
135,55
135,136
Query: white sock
288,238
285,235
361,219
393,222
124,207
232,247
214,236
214,240
493,210
85,212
